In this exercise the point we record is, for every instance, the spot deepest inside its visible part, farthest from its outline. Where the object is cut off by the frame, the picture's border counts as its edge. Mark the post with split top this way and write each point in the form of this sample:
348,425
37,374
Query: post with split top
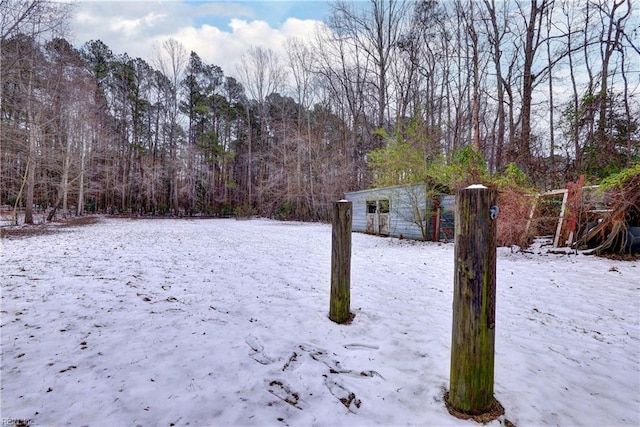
341,261
474,302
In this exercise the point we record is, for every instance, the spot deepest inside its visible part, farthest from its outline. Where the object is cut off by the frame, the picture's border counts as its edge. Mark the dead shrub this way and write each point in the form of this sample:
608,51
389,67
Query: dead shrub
515,206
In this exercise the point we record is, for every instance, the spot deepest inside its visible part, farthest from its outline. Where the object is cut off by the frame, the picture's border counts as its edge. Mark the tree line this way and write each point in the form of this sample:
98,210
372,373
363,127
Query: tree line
384,89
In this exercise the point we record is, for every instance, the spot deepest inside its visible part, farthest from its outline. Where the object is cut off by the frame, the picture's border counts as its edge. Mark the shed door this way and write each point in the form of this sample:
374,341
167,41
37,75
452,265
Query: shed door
383,216
378,216
372,217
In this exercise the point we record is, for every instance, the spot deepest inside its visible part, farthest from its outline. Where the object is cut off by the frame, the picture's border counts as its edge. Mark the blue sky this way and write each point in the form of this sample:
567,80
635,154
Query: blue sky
219,31
275,12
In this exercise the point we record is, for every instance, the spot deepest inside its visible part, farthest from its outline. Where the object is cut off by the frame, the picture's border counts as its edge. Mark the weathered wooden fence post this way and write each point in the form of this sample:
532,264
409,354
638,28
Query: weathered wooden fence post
341,261
474,301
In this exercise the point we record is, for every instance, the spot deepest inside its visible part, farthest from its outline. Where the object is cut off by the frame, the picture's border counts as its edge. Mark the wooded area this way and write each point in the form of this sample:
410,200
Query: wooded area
386,90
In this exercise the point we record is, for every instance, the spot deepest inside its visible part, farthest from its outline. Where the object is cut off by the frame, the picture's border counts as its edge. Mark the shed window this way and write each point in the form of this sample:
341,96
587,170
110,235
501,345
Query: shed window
371,206
384,206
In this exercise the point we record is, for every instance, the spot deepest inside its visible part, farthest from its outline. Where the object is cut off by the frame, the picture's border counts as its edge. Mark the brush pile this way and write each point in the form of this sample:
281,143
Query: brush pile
618,232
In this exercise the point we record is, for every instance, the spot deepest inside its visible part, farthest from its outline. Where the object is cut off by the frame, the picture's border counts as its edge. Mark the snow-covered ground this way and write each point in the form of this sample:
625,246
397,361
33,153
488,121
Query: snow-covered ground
224,322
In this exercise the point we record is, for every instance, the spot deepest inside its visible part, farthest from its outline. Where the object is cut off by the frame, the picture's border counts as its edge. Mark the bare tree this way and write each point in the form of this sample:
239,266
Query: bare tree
170,57
495,34
376,31
612,20
261,75
71,107
532,35
24,26
475,61
300,61
568,12
35,17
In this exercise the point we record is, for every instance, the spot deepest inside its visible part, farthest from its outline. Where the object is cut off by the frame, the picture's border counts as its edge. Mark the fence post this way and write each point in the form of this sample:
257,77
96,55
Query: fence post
341,262
474,298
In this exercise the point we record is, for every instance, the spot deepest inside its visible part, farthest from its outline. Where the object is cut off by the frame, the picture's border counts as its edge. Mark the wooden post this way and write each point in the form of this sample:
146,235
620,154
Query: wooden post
474,299
435,235
531,212
341,262
556,240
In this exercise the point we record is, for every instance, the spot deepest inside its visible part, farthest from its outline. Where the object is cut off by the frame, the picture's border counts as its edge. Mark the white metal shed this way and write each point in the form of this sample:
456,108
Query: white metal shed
406,211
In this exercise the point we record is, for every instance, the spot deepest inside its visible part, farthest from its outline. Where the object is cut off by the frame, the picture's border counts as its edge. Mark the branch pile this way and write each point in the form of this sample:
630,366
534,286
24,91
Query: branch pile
612,235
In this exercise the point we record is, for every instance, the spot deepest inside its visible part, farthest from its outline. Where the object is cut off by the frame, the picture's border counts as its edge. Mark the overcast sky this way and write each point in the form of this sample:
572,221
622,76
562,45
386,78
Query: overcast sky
218,31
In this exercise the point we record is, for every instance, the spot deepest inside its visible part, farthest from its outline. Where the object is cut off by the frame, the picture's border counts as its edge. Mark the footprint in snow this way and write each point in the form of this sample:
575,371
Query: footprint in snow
359,346
320,355
282,391
348,398
334,366
254,343
257,350
292,362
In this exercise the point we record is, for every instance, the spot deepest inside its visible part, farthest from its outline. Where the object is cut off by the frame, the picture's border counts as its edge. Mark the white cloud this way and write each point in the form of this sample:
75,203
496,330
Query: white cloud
225,48
218,32
132,27
302,27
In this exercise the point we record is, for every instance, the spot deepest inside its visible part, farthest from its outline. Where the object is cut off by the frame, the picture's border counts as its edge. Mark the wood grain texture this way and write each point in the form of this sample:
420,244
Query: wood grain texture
341,261
473,334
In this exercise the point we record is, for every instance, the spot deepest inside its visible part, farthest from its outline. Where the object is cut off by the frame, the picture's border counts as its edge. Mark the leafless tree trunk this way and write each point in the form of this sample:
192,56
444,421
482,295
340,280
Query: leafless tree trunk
24,25
575,102
495,37
261,74
33,135
375,31
171,59
473,35
552,130
614,29
532,42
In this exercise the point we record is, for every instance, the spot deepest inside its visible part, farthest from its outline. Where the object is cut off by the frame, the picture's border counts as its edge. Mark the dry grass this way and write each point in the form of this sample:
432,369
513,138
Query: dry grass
23,231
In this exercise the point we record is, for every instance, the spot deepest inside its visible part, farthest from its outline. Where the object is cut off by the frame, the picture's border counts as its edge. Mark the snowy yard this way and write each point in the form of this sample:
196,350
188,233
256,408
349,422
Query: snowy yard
224,322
